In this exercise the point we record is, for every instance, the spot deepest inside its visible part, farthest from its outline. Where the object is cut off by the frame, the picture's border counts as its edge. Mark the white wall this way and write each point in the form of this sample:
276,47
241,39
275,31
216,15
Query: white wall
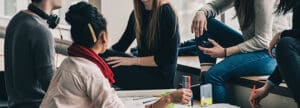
1,7
116,13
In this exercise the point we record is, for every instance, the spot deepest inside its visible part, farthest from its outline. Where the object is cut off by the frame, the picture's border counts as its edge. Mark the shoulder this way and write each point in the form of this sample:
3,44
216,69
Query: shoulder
32,21
36,26
132,14
26,21
167,13
80,66
166,8
131,17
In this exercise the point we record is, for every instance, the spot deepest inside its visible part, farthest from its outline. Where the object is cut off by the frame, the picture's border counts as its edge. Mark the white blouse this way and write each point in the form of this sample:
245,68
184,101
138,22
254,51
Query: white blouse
79,83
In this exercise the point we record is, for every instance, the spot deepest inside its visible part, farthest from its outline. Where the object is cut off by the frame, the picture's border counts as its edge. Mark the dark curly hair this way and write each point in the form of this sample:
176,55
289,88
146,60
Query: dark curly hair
79,16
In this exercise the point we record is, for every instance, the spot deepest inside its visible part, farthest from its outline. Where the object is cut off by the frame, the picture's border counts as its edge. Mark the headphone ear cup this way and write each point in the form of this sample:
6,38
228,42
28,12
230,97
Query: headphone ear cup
53,21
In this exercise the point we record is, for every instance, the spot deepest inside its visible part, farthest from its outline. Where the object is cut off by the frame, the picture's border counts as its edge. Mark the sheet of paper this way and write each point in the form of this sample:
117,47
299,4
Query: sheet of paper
141,98
142,93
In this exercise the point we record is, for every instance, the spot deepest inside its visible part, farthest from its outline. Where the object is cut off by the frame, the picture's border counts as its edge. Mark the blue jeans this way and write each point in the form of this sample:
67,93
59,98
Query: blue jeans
248,64
218,31
242,64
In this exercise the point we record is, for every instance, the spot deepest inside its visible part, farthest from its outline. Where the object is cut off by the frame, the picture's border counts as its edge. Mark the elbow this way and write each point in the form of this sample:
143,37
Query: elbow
263,44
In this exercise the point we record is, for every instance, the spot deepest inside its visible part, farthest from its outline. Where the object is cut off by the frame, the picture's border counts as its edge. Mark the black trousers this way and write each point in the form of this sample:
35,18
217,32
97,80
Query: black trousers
3,95
137,77
288,59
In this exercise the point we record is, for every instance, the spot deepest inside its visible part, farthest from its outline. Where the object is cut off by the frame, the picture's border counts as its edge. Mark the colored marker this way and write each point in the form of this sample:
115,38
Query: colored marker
186,83
254,89
254,92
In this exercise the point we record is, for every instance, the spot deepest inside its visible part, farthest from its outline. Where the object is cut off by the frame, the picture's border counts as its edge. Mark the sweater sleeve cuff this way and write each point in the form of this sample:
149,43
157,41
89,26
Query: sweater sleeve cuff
157,60
243,48
205,10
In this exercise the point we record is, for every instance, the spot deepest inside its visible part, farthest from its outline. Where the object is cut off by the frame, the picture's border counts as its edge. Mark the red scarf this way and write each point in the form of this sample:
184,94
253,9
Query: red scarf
80,51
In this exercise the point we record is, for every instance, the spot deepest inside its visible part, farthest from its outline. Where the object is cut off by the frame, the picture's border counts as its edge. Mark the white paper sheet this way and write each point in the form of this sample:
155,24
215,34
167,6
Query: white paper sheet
140,98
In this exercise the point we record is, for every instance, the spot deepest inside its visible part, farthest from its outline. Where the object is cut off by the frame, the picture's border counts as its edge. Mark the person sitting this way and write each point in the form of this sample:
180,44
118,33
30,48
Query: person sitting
154,24
287,56
245,54
84,80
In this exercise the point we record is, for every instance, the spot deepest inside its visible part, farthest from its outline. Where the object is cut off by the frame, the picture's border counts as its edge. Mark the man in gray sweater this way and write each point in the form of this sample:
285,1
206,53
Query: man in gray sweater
29,54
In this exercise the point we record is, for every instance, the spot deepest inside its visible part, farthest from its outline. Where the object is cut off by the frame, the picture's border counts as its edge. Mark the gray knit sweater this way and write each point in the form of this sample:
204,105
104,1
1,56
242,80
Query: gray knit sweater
261,31
29,59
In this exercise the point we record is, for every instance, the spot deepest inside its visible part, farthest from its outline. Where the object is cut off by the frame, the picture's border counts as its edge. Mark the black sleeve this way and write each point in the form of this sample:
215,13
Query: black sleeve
169,37
295,31
127,37
275,77
43,51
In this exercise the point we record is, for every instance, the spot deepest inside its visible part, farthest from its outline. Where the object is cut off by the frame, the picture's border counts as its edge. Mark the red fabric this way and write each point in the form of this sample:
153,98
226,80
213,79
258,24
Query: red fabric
80,51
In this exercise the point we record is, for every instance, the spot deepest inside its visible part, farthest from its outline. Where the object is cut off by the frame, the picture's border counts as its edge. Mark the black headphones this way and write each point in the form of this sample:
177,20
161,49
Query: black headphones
52,20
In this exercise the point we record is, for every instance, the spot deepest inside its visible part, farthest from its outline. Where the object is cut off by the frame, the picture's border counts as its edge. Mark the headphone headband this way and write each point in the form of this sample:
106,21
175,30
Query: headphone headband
52,20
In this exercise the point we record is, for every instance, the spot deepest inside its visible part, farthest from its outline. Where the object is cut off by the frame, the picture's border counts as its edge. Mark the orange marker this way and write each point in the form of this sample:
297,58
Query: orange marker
253,92
254,89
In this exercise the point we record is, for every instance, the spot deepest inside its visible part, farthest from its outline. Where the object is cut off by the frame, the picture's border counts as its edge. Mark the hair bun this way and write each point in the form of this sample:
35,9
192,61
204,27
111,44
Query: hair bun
78,16
81,13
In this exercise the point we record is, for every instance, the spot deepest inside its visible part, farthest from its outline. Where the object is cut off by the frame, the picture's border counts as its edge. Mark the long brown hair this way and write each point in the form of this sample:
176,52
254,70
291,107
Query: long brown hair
153,29
246,9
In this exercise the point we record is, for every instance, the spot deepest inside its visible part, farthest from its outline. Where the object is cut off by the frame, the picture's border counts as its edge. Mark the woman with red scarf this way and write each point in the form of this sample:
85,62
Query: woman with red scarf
84,80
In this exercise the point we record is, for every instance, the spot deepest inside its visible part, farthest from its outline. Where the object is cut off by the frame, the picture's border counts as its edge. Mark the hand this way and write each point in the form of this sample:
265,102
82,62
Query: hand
182,96
273,43
216,51
255,98
121,61
199,25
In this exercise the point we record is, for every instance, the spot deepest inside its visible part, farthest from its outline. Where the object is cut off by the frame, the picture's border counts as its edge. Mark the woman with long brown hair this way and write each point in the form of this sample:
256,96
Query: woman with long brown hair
153,23
84,80
245,54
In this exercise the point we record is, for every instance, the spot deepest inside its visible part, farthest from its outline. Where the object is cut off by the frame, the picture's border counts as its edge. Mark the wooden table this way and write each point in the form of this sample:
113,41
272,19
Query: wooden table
135,99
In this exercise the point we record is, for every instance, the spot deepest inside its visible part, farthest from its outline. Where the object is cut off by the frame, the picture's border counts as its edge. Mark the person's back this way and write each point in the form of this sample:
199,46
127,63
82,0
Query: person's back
29,59
82,86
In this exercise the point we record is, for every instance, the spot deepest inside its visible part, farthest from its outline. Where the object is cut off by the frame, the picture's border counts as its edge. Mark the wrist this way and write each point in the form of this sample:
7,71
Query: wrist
201,12
162,102
225,52
279,36
136,61
167,99
232,50
268,86
228,52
